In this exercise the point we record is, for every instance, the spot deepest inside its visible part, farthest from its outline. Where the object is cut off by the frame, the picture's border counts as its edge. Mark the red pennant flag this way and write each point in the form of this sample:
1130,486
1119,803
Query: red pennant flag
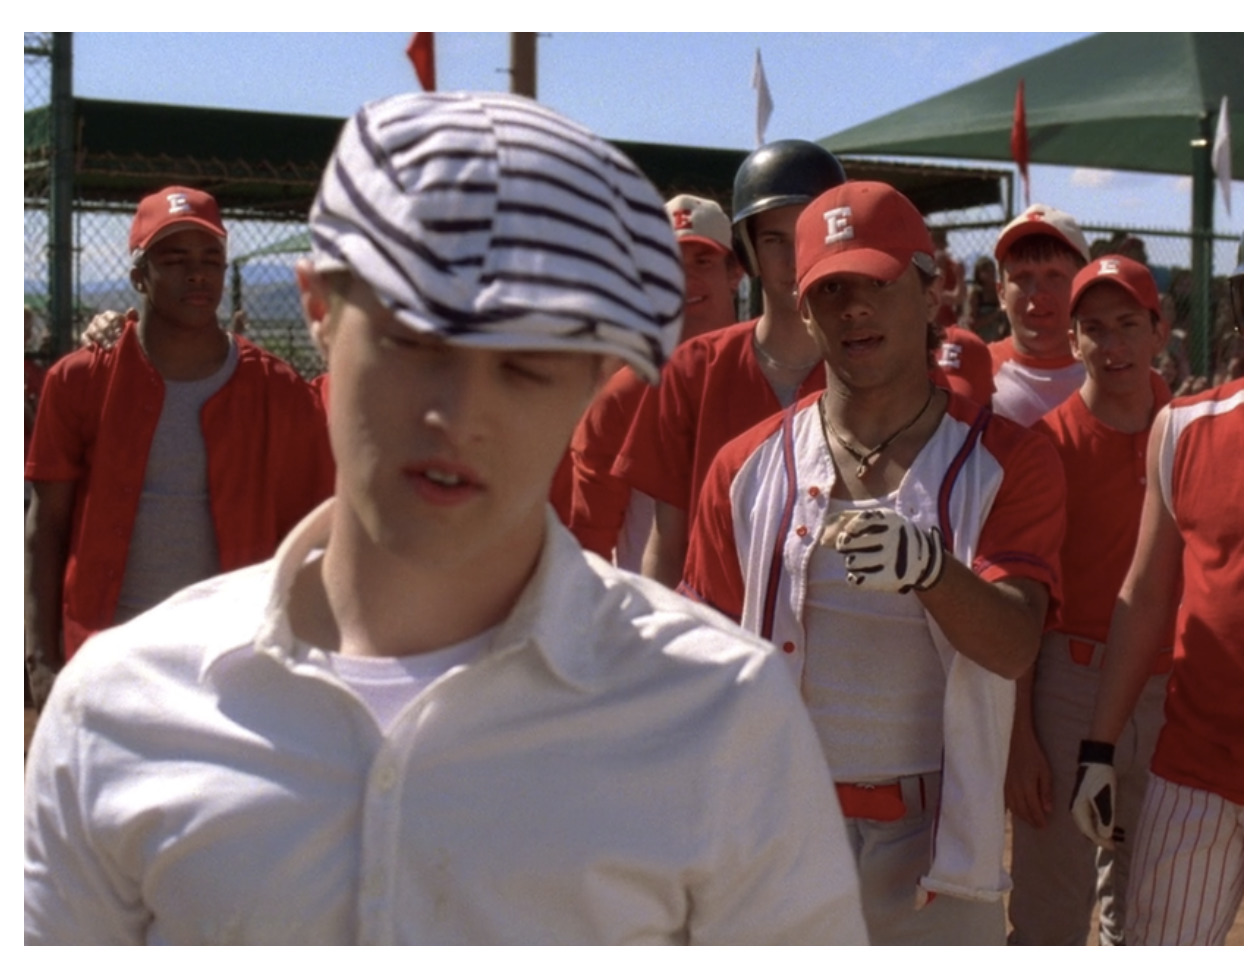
1019,138
420,53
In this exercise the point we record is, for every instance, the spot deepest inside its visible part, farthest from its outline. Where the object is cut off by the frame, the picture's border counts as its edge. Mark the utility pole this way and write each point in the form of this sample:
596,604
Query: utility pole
61,197
524,67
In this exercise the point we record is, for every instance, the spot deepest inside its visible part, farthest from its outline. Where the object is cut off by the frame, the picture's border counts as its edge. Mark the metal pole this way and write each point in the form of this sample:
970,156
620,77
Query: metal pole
61,197
1203,186
525,64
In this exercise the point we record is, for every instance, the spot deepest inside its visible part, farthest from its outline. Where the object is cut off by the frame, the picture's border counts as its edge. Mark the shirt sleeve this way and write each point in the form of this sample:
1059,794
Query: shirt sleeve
59,440
656,458
1024,531
712,573
600,499
72,894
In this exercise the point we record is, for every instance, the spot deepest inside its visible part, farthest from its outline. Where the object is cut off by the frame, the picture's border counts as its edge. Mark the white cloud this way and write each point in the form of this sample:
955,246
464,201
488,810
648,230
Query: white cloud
1092,178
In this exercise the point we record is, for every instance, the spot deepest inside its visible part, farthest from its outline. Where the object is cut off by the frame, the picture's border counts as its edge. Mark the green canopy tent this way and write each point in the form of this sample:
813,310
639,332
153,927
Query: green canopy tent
1130,101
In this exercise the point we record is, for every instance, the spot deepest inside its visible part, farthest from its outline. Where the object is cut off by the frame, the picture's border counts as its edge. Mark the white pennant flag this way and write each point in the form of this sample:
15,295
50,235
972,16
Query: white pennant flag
765,103
1221,162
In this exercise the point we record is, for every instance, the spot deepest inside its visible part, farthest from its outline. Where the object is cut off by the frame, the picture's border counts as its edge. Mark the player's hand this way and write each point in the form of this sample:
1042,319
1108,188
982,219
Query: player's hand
106,328
1094,797
1029,789
883,550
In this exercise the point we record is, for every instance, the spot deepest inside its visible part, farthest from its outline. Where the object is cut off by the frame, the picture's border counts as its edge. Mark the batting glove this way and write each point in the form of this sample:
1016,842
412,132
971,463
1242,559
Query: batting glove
885,551
1094,797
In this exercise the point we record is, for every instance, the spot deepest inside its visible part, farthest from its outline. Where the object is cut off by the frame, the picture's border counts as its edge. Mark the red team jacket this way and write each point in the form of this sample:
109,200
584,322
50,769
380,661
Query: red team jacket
268,462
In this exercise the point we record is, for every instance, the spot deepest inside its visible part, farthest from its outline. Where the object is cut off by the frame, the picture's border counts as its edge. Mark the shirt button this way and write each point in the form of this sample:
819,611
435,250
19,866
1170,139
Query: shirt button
802,530
814,491
386,778
788,647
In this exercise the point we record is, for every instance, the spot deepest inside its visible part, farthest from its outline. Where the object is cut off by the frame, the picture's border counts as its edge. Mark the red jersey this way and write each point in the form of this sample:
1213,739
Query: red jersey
268,462
712,389
1106,484
1201,469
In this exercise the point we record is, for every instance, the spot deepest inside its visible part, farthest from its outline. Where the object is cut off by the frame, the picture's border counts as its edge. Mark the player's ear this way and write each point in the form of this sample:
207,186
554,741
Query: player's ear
1074,341
313,294
932,296
137,278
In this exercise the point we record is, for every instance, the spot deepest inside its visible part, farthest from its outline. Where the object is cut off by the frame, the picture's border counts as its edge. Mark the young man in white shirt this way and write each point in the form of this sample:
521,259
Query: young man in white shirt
432,718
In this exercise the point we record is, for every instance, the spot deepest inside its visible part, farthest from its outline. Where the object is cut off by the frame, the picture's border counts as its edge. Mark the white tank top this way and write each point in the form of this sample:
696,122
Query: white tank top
873,680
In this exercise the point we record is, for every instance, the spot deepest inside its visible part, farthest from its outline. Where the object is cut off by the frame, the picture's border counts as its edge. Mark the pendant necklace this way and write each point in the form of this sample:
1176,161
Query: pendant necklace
864,460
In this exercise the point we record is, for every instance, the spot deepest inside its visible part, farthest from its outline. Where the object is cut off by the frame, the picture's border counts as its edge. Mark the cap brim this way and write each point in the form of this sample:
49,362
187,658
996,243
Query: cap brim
1024,230
704,240
859,261
1109,280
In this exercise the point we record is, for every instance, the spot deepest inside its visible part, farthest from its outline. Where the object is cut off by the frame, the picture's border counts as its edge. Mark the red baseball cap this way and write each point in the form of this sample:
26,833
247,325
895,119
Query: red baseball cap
1134,277
173,209
863,227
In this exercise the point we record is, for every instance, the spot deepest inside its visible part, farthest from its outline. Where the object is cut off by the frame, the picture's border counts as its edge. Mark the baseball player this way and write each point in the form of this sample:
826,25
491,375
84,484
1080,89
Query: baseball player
964,365
1101,435
181,452
1186,578
431,717
719,384
1038,255
899,545
605,514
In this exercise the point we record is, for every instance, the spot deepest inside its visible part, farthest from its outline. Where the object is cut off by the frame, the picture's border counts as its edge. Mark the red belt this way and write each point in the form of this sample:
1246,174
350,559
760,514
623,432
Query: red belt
1090,654
879,803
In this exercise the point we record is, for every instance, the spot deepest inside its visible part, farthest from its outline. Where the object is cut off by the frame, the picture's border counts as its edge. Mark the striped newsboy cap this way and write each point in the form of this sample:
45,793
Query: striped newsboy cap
493,222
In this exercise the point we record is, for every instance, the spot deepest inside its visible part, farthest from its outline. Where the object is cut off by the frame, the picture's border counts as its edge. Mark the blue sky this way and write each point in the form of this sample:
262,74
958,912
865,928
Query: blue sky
686,88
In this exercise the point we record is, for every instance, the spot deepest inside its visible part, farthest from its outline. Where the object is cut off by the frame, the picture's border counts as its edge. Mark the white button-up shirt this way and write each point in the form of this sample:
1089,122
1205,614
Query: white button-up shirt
621,766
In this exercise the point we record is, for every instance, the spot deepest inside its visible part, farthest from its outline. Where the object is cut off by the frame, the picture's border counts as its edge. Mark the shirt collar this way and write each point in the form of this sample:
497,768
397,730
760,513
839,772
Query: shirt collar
556,612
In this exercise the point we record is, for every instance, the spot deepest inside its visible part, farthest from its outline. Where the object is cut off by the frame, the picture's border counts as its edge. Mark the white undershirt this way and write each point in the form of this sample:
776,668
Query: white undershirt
873,680
387,684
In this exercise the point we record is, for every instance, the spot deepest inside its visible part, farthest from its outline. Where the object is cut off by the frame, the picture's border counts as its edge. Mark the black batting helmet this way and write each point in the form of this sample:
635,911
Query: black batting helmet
778,174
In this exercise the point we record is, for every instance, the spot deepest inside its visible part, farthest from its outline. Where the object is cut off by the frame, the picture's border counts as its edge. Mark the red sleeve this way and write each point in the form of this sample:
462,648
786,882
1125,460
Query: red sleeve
599,499
311,456
63,422
658,454
1024,531
712,573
